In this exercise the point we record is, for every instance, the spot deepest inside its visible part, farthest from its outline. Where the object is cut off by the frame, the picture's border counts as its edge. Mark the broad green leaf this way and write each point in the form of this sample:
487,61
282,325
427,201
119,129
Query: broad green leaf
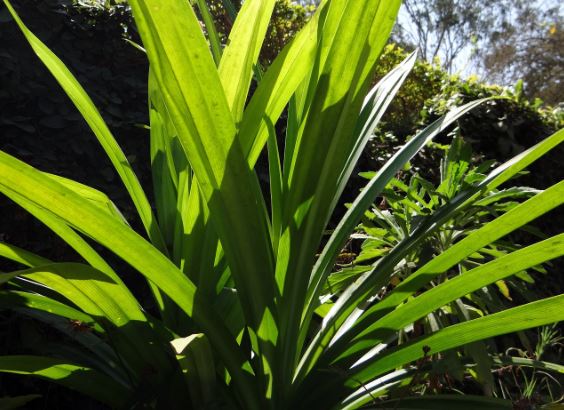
377,388
191,87
376,185
190,214
91,115
91,290
108,303
12,299
348,223
213,35
374,107
93,195
523,160
39,189
87,347
163,178
182,212
277,87
242,52
510,221
196,359
324,142
64,230
22,256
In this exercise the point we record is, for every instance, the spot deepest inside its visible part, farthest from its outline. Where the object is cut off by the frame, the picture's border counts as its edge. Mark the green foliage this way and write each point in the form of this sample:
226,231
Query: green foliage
403,207
498,130
430,92
530,385
242,318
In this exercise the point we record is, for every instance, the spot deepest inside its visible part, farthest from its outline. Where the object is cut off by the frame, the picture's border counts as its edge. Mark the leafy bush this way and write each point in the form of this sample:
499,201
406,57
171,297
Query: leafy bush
403,207
430,92
498,130
241,318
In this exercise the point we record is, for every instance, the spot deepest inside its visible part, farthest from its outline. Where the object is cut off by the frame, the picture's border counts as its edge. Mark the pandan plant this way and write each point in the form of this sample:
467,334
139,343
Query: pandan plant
242,319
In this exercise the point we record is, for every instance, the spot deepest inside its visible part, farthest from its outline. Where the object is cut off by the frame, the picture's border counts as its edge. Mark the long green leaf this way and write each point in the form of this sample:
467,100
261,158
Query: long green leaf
73,376
325,140
374,106
242,52
191,87
12,299
357,293
453,289
533,314
93,195
89,112
194,238
62,228
347,224
195,356
276,88
494,230
22,256
376,185
39,189
87,347
91,290
108,303
213,35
